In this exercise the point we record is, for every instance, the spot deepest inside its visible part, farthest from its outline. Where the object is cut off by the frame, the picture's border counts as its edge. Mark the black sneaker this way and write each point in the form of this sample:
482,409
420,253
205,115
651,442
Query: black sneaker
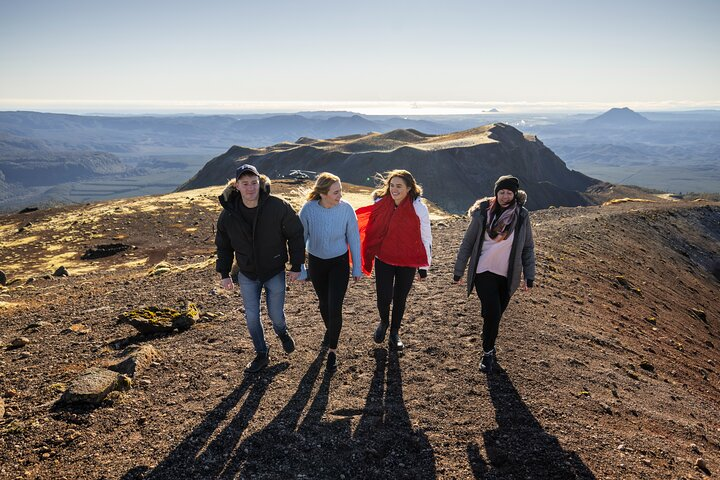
332,361
287,342
487,364
379,335
395,342
260,361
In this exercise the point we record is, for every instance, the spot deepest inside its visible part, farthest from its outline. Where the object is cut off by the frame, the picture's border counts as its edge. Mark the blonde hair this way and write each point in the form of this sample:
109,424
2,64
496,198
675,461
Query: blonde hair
415,190
323,182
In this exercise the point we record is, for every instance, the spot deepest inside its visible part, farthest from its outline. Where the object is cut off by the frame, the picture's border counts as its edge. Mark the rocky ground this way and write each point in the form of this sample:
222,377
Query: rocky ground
609,367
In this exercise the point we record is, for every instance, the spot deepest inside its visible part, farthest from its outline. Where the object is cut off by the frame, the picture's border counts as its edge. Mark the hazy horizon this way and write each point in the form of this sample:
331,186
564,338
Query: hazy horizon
362,108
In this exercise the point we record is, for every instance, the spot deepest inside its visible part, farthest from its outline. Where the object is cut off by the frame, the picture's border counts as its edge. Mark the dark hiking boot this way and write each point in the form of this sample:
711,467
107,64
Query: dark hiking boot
379,335
395,342
287,342
487,364
260,361
332,362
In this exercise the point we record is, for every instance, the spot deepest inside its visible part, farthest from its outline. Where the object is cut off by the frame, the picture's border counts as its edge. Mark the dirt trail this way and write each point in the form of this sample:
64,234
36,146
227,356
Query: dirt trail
609,366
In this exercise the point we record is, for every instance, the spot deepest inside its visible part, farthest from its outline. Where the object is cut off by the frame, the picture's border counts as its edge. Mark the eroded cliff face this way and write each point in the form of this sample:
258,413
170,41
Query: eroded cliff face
454,169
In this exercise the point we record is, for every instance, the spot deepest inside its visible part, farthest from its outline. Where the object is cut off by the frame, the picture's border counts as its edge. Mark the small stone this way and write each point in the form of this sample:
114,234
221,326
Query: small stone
61,272
645,365
80,328
36,325
700,463
699,314
19,342
10,393
94,384
25,355
135,360
694,448
3,278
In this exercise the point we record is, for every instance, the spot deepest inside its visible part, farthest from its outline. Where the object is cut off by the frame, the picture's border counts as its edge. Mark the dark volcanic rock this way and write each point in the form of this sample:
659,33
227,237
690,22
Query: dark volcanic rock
104,251
161,320
93,385
61,272
135,359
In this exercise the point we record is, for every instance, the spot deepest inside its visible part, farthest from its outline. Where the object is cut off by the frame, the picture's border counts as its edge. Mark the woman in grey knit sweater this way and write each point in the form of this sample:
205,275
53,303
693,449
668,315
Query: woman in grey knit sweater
330,226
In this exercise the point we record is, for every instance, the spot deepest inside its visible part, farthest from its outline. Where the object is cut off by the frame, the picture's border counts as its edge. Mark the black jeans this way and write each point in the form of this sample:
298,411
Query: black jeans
392,285
330,279
494,298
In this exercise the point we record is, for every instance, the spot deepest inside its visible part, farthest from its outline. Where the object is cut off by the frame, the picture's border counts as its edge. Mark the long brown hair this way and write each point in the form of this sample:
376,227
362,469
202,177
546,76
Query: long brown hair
415,190
323,182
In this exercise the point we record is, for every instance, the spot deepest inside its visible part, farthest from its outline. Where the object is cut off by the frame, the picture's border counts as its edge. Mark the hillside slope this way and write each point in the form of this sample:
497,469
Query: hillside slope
609,366
453,168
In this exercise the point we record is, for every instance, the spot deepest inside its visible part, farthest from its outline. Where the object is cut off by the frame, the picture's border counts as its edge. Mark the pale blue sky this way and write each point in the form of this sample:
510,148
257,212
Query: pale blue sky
212,54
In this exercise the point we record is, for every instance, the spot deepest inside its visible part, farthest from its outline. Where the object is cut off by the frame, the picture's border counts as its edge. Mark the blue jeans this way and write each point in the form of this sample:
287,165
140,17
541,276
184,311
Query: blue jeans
275,301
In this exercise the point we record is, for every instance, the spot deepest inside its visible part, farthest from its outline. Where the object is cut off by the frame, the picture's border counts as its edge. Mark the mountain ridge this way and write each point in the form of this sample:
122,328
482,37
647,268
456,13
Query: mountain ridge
453,168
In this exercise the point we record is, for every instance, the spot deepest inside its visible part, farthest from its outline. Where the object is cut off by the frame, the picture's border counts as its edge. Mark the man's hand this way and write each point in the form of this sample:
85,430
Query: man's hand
227,283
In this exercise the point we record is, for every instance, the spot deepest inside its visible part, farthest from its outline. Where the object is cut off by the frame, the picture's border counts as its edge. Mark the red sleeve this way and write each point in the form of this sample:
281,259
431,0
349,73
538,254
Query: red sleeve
363,217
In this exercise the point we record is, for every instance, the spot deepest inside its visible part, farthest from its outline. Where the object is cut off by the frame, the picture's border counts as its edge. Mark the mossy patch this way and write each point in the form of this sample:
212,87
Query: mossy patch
161,319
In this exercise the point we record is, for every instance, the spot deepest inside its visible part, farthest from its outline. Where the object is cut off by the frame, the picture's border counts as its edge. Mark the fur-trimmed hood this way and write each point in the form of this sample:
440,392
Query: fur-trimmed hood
229,194
521,198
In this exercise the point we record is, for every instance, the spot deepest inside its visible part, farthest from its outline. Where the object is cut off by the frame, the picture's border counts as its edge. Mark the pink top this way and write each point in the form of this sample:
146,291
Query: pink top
495,256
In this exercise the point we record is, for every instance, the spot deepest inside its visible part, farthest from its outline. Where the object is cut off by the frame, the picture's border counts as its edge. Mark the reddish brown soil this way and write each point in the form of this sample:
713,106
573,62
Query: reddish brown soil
605,371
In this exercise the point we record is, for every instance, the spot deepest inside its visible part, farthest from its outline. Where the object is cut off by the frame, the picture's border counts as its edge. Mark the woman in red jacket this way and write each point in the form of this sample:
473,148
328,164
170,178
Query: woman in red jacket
395,236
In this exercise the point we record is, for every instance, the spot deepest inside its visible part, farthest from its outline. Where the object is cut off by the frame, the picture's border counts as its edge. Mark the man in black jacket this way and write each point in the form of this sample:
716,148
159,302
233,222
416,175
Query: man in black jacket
259,229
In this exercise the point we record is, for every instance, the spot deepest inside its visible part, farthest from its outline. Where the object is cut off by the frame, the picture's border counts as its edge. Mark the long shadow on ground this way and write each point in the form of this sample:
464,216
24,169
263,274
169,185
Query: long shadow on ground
316,445
520,447
203,454
389,446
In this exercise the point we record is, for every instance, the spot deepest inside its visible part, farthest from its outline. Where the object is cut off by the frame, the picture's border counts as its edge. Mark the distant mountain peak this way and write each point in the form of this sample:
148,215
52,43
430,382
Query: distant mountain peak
620,117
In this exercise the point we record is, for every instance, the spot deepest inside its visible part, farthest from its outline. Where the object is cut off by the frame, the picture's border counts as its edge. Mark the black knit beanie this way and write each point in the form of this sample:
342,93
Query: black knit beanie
507,182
